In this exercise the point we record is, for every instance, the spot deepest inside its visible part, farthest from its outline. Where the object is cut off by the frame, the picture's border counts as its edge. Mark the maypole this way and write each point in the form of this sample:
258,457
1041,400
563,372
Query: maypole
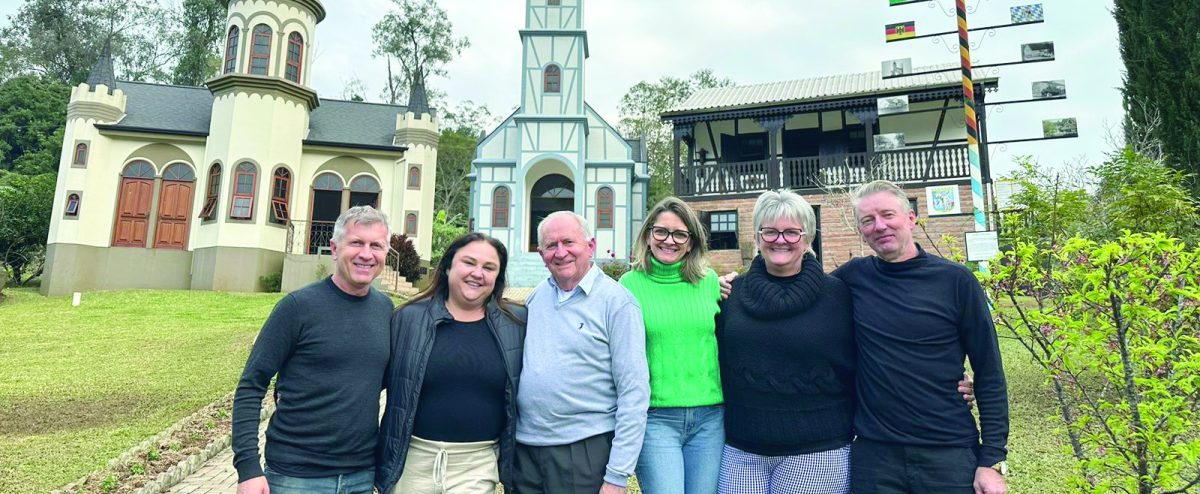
968,85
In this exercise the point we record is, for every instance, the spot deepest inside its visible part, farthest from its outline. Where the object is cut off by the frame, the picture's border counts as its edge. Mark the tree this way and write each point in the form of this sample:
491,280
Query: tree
62,39
32,112
444,232
1048,207
203,25
421,38
456,149
1162,64
1141,194
640,112
1115,326
25,205
353,89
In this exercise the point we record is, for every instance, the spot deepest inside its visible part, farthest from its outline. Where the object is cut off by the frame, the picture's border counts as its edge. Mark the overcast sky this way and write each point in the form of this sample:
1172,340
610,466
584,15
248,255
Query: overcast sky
757,41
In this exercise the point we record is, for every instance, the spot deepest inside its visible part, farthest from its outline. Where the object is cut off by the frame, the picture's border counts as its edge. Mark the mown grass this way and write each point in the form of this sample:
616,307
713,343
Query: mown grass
81,385
78,386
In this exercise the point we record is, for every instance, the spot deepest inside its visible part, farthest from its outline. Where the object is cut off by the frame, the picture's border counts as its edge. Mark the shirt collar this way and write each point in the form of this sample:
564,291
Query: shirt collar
586,284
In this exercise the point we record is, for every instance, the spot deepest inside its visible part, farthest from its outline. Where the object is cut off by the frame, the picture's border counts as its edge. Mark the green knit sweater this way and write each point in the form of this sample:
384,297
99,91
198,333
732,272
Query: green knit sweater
681,342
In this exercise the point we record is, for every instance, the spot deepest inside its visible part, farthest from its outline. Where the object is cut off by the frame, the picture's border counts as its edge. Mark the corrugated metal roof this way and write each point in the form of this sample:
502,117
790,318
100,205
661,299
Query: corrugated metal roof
189,109
814,89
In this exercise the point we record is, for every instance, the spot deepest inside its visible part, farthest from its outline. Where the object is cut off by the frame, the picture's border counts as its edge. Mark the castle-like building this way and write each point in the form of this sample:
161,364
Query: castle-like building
211,188
555,152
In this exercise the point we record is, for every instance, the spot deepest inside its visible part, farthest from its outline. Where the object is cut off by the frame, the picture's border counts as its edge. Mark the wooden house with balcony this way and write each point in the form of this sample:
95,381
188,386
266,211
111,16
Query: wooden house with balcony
818,137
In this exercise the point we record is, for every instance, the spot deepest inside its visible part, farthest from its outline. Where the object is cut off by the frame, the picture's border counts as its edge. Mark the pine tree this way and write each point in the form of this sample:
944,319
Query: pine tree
1160,46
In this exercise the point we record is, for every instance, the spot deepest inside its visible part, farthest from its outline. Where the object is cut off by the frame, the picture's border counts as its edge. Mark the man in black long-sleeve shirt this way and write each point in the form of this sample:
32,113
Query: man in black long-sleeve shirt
329,344
917,316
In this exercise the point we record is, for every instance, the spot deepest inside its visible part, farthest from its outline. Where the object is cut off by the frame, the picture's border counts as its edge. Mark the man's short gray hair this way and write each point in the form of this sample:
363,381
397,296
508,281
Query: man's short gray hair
583,224
775,204
872,188
359,215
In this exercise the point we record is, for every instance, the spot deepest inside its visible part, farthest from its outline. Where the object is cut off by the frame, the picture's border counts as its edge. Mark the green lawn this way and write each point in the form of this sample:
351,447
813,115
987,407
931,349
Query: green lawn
78,386
81,385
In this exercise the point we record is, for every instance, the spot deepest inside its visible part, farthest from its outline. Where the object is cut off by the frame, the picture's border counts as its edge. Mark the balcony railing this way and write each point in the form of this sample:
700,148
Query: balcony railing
812,172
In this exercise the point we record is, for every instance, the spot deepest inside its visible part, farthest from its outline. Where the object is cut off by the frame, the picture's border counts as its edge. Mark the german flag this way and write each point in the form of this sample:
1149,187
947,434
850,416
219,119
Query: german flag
901,30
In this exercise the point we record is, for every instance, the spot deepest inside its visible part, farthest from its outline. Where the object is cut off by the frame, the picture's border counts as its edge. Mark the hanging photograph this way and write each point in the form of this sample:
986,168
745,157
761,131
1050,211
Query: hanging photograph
1026,14
1033,52
895,68
942,199
889,142
901,30
1060,127
893,104
1049,89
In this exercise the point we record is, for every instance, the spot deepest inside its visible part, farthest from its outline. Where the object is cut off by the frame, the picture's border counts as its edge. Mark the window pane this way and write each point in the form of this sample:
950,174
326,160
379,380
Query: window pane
245,184
241,207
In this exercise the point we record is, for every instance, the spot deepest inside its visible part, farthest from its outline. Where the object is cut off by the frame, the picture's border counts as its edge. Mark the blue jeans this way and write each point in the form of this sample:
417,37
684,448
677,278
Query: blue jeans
360,482
681,452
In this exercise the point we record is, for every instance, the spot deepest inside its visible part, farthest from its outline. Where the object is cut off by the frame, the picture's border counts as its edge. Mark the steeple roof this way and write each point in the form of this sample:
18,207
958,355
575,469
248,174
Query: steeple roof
102,72
418,101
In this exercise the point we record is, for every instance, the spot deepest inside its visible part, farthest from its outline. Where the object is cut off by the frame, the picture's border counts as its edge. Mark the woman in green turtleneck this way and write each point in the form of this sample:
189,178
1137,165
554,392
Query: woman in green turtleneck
681,452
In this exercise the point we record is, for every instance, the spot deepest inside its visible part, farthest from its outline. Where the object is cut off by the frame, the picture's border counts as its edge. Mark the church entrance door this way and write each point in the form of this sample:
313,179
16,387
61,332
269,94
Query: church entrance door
550,193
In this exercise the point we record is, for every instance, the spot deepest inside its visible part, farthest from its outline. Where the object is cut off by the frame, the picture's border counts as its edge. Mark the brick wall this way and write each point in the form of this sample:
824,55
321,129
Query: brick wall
839,236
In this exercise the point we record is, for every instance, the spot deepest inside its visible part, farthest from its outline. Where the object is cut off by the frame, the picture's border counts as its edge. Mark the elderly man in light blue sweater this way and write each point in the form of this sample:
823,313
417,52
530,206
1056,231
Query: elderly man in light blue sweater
584,386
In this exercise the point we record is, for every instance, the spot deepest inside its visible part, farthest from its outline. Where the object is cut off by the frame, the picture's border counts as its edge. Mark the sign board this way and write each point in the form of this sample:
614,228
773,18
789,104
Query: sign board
982,246
942,199
896,68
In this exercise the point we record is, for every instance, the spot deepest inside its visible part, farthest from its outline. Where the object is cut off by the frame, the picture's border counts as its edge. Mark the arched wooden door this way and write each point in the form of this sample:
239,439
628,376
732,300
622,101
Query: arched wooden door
133,207
174,207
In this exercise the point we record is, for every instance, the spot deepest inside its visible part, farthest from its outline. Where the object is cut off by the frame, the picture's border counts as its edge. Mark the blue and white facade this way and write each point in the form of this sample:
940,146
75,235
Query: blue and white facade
555,152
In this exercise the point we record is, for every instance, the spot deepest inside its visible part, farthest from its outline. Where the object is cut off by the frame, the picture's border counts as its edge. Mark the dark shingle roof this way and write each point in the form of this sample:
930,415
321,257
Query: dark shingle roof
188,109
102,72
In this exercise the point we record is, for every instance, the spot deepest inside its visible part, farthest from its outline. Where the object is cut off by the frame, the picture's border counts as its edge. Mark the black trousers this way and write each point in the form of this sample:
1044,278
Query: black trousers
887,468
576,468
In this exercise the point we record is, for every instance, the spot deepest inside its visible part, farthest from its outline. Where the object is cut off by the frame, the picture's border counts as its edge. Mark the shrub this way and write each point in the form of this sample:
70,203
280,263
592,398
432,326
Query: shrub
613,267
1116,328
272,283
404,259
445,231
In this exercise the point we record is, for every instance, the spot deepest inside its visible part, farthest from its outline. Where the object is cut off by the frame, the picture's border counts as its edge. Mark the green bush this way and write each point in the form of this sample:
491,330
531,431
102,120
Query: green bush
404,259
272,283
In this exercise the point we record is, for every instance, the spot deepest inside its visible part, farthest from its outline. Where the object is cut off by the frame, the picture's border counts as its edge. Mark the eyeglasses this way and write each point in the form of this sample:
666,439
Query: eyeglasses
790,235
680,236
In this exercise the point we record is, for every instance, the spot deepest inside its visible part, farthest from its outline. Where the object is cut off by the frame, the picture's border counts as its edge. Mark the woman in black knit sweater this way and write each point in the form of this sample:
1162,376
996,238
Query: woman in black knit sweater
787,354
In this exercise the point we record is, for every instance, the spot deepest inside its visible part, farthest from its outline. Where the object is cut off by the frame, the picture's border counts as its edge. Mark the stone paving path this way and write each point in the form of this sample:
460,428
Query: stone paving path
218,476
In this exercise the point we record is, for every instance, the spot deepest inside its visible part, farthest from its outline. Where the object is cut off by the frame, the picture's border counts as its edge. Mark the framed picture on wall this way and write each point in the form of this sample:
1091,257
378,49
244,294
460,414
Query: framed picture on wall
942,199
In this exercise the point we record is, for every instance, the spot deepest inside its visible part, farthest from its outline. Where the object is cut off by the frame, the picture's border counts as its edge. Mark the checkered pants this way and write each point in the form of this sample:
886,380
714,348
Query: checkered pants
824,472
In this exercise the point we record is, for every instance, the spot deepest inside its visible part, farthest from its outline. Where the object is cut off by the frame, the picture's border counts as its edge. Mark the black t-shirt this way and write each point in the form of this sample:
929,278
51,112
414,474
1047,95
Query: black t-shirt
462,395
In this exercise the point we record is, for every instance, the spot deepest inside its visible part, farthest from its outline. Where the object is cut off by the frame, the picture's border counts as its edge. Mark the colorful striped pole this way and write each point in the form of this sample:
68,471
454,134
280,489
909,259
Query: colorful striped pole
964,50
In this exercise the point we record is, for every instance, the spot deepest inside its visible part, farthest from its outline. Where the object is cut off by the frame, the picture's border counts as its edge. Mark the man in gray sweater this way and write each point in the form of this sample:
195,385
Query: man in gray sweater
584,386
328,343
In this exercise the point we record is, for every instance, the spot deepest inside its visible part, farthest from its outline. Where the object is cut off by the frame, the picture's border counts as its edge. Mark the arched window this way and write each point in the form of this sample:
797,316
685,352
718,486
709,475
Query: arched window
294,54
179,172
72,208
244,179
327,181
281,190
364,191
209,210
81,152
604,208
414,178
231,46
260,50
410,224
500,200
552,79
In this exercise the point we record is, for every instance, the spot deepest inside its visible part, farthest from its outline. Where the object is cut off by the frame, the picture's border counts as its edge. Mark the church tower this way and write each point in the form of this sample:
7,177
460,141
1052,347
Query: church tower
260,116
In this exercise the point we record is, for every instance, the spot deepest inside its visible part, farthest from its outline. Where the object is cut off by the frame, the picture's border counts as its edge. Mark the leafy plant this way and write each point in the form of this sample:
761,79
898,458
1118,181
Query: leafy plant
272,283
613,267
222,414
109,484
137,469
403,258
1116,328
322,271
210,425
153,455
445,231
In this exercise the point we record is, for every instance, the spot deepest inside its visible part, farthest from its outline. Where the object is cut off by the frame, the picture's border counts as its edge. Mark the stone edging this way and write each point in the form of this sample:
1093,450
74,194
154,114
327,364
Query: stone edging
181,470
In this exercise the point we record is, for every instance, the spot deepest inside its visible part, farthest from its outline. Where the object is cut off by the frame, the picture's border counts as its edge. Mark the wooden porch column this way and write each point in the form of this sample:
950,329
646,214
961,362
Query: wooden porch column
680,132
774,126
868,117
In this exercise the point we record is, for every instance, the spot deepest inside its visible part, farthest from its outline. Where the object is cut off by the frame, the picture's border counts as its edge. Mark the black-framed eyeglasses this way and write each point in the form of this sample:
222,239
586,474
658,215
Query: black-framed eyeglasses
680,236
791,235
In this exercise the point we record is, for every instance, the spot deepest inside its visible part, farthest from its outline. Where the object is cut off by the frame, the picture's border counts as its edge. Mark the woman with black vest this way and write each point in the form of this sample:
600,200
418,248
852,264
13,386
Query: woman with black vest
787,354
450,421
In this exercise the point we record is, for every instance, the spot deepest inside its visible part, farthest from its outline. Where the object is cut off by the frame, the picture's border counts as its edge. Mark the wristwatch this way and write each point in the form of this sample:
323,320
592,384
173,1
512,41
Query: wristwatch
1001,467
